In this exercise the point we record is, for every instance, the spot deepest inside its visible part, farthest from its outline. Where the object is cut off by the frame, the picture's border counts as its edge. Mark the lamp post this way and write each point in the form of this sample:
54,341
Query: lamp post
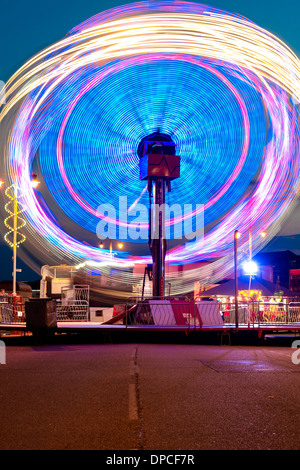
18,223
236,236
15,243
120,245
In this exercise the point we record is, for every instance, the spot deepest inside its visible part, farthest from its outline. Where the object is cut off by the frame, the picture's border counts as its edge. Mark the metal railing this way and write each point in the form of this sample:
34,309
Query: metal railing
172,312
279,312
193,313
257,313
11,313
7,313
227,311
67,310
159,313
294,312
73,310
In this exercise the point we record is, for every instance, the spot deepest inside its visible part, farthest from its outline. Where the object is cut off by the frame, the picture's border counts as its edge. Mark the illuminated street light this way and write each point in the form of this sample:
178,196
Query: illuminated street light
34,182
250,268
236,237
120,245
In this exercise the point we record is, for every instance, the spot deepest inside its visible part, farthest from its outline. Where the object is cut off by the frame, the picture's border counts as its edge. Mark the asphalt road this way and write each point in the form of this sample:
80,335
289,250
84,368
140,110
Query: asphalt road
149,396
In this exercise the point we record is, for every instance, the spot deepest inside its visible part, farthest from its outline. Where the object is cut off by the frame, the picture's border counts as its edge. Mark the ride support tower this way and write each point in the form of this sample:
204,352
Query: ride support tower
159,165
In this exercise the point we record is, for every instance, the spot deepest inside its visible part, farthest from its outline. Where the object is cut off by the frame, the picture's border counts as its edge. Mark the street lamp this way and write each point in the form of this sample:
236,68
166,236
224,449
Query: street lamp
34,181
250,268
18,223
120,245
236,237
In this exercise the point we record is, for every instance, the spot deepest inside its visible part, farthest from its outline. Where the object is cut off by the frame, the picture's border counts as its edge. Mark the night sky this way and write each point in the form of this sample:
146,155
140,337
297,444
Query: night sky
29,26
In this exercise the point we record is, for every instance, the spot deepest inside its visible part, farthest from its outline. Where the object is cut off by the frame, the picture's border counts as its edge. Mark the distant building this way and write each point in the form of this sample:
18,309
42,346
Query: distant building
295,280
280,267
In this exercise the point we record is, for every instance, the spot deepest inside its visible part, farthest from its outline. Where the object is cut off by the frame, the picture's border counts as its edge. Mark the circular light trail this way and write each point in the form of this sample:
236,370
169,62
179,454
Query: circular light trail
225,90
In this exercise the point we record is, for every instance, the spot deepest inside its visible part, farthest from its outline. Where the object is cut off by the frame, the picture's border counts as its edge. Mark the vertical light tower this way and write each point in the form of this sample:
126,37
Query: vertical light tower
15,210
158,165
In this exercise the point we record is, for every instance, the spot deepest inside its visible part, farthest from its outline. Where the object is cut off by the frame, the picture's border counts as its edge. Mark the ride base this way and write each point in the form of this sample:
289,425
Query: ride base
172,315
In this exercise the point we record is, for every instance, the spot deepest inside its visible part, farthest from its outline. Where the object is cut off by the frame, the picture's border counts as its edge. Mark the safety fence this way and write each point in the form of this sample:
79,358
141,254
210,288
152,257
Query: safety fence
273,313
74,304
260,313
11,311
169,312
72,310
173,313
194,313
65,310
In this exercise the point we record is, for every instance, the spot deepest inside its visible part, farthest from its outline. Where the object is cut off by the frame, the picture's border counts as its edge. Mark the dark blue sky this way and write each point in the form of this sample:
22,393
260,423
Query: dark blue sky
27,26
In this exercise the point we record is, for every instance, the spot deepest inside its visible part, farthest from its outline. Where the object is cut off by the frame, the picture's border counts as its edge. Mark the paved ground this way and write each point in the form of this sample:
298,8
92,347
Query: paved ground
149,396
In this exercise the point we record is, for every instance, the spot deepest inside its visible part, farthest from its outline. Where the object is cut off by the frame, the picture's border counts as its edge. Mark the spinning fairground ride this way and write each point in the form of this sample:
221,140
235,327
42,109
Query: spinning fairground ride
153,103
